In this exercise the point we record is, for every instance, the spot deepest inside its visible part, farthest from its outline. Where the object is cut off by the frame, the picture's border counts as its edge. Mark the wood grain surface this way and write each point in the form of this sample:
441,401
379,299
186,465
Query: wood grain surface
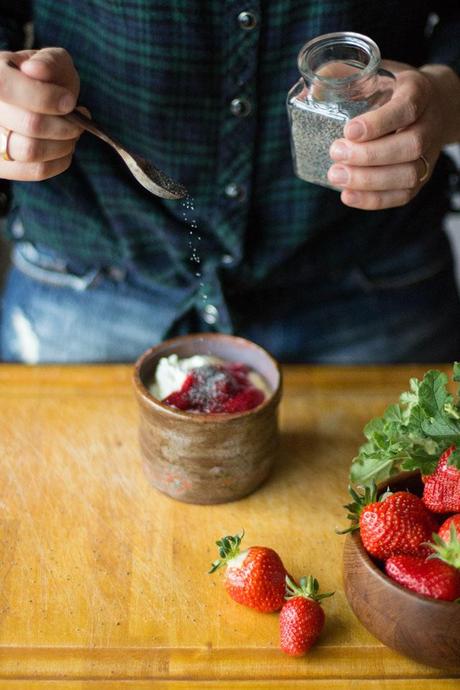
104,580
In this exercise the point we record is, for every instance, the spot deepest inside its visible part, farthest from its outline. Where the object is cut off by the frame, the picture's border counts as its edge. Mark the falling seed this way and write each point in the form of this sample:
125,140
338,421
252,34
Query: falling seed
188,205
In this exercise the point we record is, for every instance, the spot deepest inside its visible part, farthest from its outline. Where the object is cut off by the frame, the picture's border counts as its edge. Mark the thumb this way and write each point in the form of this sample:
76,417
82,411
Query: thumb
52,65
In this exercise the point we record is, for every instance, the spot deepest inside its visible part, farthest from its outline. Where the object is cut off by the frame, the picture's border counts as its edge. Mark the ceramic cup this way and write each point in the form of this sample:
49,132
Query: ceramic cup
207,458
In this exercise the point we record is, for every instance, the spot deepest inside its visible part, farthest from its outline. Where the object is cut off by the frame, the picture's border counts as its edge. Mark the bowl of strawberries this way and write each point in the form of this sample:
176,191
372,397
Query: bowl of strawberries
401,562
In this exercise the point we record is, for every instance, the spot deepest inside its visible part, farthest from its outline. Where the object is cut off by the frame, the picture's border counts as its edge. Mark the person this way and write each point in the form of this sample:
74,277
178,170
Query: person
102,269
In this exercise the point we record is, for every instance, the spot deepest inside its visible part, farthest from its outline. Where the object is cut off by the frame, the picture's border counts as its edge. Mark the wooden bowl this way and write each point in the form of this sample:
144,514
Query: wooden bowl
426,630
207,458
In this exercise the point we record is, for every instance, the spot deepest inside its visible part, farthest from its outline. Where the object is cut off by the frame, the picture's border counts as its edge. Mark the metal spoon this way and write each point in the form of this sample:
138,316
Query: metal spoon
153,179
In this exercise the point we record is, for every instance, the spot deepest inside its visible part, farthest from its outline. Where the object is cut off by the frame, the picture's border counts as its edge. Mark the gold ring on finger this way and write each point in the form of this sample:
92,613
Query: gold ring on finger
426,172
4,142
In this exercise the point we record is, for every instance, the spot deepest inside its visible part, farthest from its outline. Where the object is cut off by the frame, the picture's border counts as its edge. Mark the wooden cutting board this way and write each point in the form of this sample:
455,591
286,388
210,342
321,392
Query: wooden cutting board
104,580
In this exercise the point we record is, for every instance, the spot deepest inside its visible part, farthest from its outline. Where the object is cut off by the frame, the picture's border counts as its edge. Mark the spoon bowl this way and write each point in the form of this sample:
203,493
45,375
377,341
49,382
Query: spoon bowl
151,178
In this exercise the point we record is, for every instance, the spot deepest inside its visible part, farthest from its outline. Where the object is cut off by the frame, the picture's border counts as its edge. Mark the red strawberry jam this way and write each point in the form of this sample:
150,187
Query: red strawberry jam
217,388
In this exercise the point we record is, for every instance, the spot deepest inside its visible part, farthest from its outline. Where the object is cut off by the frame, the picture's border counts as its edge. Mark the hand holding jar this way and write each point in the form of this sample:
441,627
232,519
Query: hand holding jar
388,154
371,130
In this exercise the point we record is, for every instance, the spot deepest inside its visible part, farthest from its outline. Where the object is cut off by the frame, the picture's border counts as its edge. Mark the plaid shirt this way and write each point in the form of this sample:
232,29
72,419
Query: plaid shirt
161,75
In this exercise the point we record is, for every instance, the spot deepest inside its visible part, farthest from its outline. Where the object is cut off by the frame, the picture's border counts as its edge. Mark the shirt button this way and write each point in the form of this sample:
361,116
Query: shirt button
247,20
234,191
17,229
117,274
240,107
211,314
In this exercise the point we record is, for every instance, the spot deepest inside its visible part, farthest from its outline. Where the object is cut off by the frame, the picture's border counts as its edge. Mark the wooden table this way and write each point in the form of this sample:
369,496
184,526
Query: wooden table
104,580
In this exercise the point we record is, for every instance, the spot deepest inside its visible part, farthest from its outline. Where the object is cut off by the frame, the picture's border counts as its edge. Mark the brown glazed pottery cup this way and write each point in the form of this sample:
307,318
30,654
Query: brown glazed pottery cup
207,458
426,630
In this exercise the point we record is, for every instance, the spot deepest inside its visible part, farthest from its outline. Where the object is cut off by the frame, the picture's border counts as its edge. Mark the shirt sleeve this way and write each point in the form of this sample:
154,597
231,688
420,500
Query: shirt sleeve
445,38
14,14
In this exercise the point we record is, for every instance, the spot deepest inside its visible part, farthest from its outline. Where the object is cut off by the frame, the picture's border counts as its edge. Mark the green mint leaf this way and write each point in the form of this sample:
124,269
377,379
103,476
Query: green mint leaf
412,434
433,393
364,470
456,369
452,410
425,463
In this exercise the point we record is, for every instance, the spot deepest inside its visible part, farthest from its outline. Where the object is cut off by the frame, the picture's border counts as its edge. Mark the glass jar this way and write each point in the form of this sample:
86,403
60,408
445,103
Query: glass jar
341,78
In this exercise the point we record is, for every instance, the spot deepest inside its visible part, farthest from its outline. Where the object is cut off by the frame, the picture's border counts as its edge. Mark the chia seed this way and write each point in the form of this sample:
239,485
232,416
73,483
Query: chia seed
313,129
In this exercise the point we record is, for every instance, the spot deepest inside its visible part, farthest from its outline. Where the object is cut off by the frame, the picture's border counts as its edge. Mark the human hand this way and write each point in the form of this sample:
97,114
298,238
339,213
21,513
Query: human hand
37,142
388,154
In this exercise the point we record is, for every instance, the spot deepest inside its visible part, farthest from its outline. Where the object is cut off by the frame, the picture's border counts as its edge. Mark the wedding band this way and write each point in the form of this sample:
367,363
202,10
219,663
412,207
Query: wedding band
4,140
427,169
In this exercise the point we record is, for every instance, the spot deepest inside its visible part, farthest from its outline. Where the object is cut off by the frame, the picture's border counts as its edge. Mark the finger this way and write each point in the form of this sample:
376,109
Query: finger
408,102
18,57
375,201
53,65
385,177
404,146
35,125
33,172
18,89
27,150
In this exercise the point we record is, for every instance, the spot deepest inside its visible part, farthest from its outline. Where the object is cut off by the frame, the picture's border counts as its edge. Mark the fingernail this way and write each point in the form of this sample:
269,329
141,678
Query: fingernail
339,151
84,111
354,130
35,60
338,175
67,103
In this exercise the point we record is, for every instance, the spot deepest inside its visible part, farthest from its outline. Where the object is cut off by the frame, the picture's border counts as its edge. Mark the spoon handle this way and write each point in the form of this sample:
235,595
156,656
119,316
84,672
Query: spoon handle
77,118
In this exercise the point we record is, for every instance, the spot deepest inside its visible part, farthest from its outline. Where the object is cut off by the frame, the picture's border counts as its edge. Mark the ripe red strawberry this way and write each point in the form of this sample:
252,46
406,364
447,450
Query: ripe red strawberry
444,530
301,618
441,493
432,578
254,577
396,524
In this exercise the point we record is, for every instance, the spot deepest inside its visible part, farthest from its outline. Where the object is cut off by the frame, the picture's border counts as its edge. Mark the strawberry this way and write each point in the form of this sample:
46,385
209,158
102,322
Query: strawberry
444,530
432,578
441,493
396,524
254,577
301,618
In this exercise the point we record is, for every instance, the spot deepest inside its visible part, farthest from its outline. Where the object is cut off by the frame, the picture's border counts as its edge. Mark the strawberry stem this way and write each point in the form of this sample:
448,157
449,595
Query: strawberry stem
447,551
308,588
360,501
229,547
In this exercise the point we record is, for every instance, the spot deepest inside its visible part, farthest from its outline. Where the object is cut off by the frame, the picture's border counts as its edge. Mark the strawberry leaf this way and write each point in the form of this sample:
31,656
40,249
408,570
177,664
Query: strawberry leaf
229,547
447,551
308,588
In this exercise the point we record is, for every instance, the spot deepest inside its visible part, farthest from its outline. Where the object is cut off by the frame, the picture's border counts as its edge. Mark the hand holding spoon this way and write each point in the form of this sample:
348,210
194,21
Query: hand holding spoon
150,177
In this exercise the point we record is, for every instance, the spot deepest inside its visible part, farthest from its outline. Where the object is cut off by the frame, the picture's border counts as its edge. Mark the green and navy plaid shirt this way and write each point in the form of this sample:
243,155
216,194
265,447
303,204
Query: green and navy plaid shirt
199,88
